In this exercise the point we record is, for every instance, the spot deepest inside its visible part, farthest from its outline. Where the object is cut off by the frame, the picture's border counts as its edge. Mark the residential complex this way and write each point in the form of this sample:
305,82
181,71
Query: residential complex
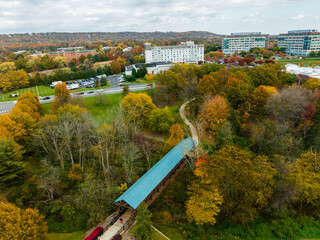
300,42
244,42
185,52
71,52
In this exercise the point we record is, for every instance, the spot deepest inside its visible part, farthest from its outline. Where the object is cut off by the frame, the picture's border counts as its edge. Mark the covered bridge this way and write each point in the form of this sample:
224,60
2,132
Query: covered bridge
153,182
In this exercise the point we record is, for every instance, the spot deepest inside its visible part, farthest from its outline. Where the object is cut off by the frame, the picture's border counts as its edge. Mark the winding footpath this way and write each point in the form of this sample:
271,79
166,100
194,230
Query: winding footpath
193,130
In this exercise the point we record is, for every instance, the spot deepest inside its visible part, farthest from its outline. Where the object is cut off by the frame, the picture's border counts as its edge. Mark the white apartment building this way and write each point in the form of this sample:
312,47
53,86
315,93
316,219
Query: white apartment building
244,42
300,42
185,52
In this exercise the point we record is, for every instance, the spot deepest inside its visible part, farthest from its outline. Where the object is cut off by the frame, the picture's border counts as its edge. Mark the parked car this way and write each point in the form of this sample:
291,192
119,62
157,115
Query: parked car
89,92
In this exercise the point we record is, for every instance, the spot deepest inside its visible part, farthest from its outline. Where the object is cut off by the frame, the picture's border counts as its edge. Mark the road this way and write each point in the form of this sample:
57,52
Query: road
5,107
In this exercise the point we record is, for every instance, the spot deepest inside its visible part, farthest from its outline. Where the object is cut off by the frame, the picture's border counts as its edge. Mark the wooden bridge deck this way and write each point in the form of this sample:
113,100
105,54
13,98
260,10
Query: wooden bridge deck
117,226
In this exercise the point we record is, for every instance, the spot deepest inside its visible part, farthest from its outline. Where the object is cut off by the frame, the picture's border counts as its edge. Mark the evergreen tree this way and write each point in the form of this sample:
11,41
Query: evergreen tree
143,222
125,91
134,72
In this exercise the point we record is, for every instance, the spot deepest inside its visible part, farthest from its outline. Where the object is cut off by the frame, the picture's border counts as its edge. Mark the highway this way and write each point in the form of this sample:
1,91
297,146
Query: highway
5,107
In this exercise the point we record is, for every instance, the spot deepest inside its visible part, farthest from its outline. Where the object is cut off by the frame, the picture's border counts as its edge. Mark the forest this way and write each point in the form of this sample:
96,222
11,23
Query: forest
52,40
255,174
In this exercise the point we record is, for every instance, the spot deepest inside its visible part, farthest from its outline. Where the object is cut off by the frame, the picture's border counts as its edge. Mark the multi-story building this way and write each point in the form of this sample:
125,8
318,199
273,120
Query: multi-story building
185,52
300,42
71,52
244,42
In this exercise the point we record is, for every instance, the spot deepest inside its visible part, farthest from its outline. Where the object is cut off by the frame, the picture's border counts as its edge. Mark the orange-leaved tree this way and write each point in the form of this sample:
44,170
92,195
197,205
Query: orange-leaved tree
214,113
10,128
62,96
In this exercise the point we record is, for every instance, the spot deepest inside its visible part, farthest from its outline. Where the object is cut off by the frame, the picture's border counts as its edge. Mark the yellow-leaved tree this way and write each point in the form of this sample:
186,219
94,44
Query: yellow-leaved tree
233,181
176,135
137,108
10,128
18,224
305,174
27,112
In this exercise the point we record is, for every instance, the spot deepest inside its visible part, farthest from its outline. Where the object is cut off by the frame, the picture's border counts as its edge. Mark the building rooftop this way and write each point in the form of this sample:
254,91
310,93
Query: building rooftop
245,33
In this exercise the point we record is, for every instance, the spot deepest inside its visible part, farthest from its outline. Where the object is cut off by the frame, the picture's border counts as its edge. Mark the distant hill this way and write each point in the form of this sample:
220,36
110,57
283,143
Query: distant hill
80,37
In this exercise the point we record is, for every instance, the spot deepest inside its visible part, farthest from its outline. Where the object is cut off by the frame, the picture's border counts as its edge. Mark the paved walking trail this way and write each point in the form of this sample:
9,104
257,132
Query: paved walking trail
193,130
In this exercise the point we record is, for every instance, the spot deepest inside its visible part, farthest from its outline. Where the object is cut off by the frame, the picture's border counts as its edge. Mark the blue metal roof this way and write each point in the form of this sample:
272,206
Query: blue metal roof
144,186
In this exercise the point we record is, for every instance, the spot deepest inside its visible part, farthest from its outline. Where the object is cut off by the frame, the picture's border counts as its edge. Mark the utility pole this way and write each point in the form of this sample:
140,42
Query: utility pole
37,90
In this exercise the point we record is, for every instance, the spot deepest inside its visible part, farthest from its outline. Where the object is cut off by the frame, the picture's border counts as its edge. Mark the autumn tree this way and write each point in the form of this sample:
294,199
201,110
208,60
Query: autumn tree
259,98
312,84
268,74
169,85
176,135
146,146
59,62
62,95
214,113
160,120
189,74
27,111
109,139
17,224
213,84
11,165
305,176
7,67
288,105
204,203
221,177
238,89
115,67
13,80
65,137
137,108
11,129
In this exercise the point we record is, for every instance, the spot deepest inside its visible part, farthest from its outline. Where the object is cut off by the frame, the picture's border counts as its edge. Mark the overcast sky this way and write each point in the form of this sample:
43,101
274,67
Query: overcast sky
218,16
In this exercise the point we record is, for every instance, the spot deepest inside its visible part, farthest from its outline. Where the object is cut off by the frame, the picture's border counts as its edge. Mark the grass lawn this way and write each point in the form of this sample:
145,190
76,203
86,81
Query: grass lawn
175,112
296,61
43,91
66,236
154,235
100,110
170,232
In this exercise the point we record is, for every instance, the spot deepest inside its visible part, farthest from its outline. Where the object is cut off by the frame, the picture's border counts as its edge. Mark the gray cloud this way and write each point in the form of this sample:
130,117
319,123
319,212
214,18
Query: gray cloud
134,15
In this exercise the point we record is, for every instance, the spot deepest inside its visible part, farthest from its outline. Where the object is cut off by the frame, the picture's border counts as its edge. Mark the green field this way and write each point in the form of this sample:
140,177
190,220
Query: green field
66,236
295,61
42,90
170,232
104,110
154,234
